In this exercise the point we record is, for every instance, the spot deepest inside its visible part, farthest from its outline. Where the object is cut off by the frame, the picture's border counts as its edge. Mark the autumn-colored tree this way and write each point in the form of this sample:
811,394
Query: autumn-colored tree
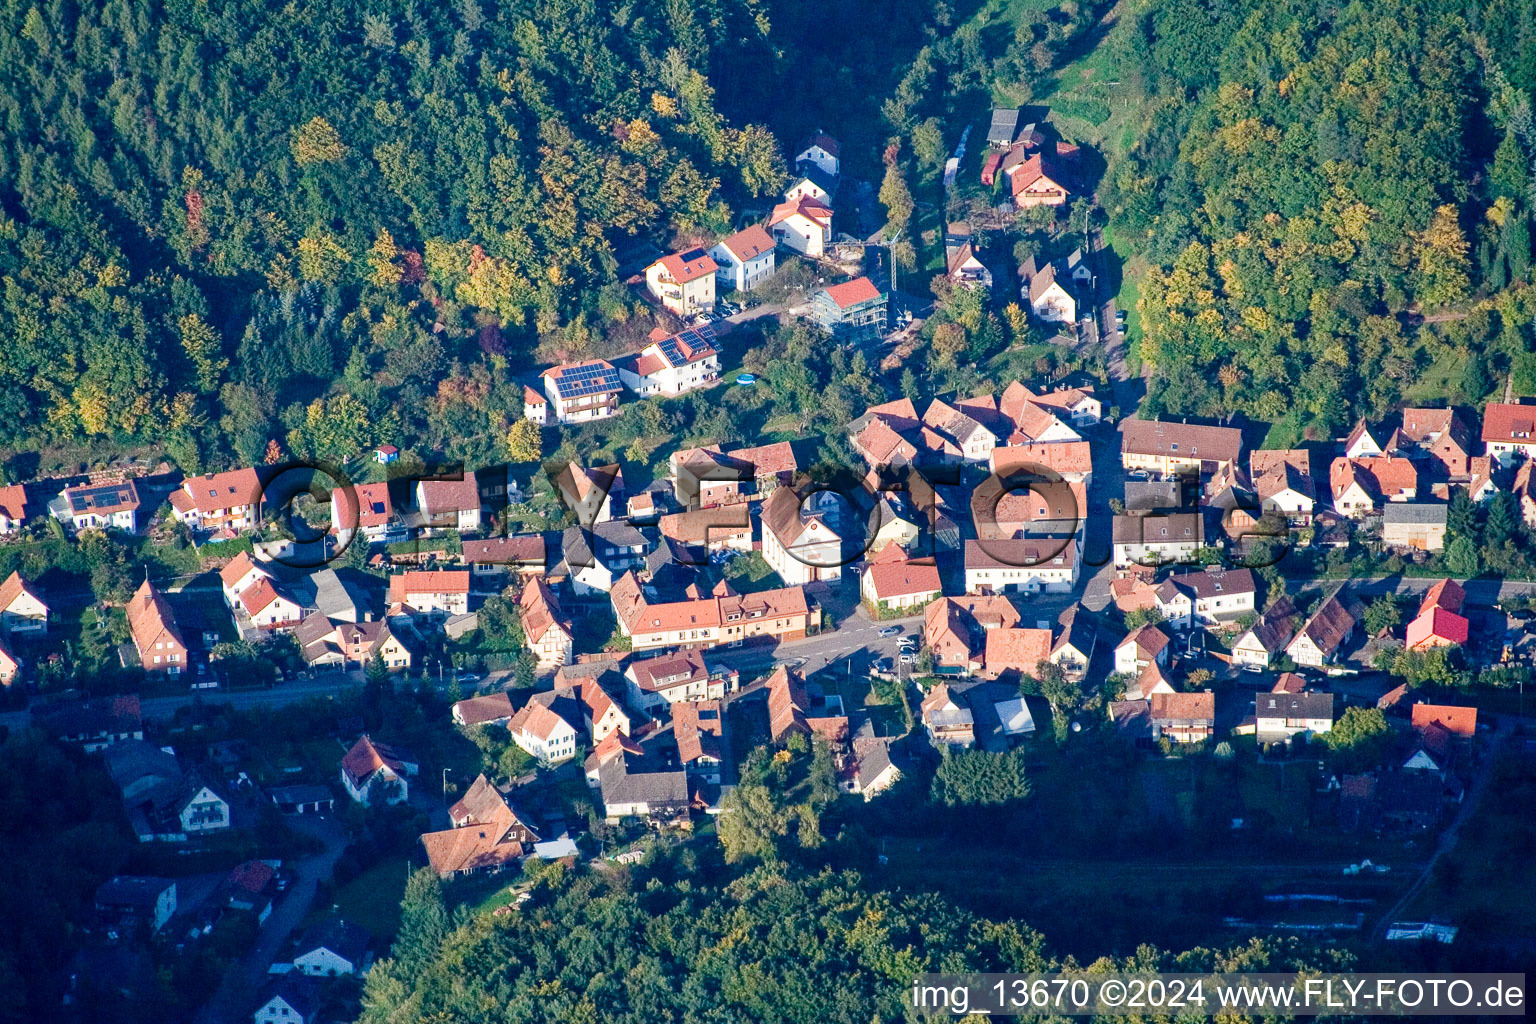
274,453
1441,268
896,197
321,258
316,141
382,268
948,342
203,347
524,443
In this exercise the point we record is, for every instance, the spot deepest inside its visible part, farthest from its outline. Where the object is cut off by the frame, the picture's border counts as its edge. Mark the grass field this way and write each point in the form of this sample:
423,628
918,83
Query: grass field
372,899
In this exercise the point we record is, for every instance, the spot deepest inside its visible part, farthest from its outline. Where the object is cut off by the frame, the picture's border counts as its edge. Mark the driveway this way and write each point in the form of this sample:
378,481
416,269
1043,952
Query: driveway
235,999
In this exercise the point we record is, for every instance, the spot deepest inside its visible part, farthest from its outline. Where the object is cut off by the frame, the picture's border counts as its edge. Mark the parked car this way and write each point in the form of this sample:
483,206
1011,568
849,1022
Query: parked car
907,659
468,677
890,630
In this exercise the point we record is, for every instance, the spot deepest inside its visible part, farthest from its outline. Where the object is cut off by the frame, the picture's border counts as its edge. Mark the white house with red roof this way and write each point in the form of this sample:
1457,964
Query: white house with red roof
852,309
822,151
745,259
1036,180
375,773
683,282
892,581
22,609
1509,432
580,392
804,225
13,508
219,501
450,504
433,593
535,406
542,731
367,508
672,363
99,505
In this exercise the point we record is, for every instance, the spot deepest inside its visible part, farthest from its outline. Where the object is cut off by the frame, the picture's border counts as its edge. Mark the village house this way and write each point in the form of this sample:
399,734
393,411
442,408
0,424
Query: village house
331,948
1211,597
1268,637
23,612
1439,436
1049,299
1038,179
697,727
521,556
95,724
948,720
1143,646
1320,640
163,803
488,709
852,311
1282,716
1076,637
13,508
810,182
580,392
549,726
788,705
432,594
156,635
1360,486
1156,539
597,557
799,545
10,665
1078,405
546,630
1179,449
1015,651
955,630
365,508
1282,481
969,437
892,582
684,282
1415,526
100,505
1361,443
487,835
450,504
126,903
288,999
1021,565
1509,432
722,617
674,678
591,493
804,225
602,712
721,528
632,785
536,407
375,773
1439,622
1183,717
229,502
330,643
963,265
820,150
672,364
744,260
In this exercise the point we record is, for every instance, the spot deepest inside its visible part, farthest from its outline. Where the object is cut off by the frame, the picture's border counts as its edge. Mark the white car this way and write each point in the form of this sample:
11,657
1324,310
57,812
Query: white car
906,641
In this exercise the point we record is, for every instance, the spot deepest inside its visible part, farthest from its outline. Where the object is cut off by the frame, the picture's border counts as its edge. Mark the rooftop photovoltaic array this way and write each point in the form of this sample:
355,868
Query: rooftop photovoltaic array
104,497
693,341
589,379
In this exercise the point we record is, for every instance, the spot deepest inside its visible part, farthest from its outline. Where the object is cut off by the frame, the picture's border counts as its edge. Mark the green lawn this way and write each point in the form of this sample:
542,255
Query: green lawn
372,899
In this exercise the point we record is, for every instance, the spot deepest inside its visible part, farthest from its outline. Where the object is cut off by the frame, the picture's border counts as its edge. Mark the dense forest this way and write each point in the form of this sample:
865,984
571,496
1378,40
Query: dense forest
1311,179
227,224
667,942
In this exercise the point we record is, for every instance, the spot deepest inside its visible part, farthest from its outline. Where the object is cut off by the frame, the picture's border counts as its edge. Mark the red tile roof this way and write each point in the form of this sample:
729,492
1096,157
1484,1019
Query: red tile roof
216,491
851,293
367,757
1437,627
749,243
805,206
1509,423
685,266
1459,720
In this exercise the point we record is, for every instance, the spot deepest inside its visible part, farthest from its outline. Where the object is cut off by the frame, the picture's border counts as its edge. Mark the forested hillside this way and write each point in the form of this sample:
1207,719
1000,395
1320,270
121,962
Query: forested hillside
667,944
212,215
1308,177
